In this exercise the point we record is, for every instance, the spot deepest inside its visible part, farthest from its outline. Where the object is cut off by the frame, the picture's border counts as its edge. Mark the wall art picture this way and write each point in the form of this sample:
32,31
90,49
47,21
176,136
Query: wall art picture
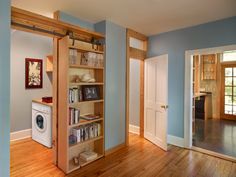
33,73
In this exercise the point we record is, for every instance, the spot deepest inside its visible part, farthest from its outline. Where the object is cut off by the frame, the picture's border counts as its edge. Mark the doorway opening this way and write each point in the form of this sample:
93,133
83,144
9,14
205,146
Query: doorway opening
136,49
31,108
209,101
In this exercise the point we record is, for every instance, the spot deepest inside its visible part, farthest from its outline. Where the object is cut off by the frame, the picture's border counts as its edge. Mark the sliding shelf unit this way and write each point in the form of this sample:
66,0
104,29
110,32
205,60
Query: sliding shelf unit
67,150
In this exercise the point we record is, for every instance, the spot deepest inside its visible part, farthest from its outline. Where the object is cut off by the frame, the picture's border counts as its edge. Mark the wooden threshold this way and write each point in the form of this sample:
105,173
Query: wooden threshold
215,154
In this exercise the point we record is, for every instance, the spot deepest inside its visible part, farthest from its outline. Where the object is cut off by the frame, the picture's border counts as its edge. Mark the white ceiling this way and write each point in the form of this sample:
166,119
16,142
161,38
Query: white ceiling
146,16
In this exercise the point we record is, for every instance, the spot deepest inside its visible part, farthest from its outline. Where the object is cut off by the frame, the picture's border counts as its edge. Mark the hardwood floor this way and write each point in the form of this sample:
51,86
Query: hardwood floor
30,159
140,159
216,135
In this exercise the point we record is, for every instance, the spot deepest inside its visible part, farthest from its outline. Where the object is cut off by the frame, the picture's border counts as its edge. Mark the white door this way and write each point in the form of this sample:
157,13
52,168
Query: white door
156,100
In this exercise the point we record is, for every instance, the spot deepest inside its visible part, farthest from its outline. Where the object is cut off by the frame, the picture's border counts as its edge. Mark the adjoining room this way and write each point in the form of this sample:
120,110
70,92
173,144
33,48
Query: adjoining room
214,110
31,98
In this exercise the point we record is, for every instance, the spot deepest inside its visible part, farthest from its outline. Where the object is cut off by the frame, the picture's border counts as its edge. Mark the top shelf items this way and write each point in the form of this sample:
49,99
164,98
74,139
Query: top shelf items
209,67
85,55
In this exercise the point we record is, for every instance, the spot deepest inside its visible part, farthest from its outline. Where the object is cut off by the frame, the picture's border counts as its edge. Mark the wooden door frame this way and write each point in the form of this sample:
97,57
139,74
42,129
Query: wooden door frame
223,66
15,13
187,142
139,55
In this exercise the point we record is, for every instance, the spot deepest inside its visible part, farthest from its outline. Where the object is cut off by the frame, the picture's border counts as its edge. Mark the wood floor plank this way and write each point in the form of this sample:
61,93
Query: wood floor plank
140,159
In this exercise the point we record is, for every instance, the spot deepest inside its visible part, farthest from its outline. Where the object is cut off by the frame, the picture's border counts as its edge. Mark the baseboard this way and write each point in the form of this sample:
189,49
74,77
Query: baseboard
114,149
174,140
14,136
134,129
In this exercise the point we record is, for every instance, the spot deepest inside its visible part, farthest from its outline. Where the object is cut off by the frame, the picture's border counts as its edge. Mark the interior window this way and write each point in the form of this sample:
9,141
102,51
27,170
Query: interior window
229,55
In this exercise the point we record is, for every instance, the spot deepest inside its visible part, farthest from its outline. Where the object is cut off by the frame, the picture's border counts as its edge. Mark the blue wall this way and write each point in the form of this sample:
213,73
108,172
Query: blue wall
115,103
175,44
4,87
76,21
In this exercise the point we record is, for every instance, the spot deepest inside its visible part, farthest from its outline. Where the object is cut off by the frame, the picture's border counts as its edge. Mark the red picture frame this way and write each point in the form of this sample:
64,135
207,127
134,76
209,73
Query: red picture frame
33,73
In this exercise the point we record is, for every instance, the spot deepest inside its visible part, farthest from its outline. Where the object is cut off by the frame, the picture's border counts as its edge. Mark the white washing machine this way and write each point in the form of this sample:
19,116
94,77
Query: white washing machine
42,124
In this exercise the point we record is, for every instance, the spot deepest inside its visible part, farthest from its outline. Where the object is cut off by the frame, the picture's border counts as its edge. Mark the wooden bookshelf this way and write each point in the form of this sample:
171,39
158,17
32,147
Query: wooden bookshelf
49,63
86,83
84,66
83,49
66,70
86,141
83,122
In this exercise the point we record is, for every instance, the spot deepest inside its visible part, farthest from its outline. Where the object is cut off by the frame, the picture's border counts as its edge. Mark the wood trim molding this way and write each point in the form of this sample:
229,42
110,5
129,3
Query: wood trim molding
137,53
137,35
35,23
188,87
222,94
114,149
141,55
127,88
141,113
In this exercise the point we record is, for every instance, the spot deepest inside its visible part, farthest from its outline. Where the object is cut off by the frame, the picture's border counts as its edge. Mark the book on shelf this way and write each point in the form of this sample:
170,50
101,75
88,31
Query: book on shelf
92,59
86,132
75,95
74,116
90,117
88,156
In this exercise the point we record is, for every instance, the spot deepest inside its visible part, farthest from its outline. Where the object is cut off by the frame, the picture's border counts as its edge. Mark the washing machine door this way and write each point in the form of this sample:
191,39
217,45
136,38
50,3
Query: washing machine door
40,122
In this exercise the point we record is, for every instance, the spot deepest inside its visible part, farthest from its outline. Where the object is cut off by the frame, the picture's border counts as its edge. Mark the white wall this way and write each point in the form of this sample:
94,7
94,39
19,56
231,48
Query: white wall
26,45
134,100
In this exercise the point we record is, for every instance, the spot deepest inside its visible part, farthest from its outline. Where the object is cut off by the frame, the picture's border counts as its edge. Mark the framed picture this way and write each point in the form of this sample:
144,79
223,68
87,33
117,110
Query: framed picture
90,93
33,73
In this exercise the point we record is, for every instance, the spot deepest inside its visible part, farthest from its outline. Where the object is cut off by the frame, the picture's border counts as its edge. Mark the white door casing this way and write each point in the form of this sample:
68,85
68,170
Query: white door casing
156,100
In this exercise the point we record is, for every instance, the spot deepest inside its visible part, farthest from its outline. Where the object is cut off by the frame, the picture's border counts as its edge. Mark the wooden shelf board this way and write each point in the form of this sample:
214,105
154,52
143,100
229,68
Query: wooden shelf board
85,50
87,141
82,164
86,83
82,102
85,67
83,122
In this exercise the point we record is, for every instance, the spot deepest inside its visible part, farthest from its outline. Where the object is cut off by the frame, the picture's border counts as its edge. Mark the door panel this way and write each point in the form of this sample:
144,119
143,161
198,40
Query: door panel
155,100
228,91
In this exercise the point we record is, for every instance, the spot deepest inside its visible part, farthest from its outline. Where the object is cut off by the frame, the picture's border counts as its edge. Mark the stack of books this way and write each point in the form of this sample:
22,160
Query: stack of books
88,156
75,95
74,115
92,59
86,132
90,117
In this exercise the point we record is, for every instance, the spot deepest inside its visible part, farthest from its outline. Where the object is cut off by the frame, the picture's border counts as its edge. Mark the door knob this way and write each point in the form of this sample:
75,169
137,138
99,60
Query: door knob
164,106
